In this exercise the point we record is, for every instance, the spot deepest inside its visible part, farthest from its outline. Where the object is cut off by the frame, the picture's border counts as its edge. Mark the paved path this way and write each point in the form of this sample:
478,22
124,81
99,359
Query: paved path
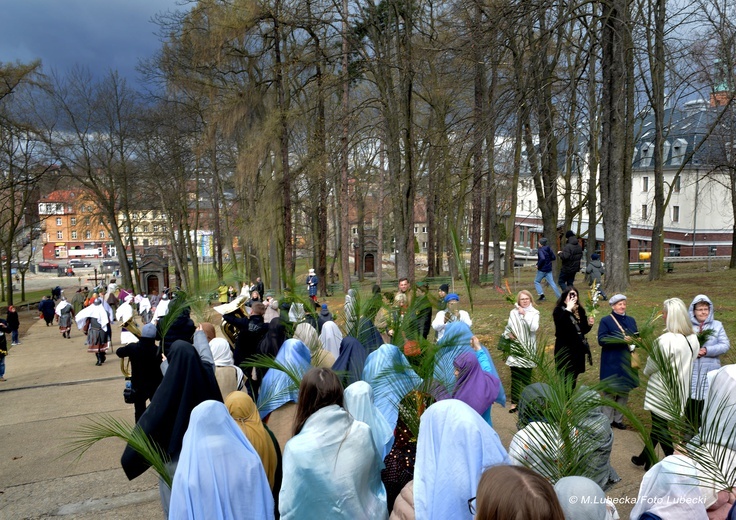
53,387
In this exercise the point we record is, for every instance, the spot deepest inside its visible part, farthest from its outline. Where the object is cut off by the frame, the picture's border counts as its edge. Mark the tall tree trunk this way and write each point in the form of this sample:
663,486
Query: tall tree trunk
593,140
286,180
344,200
657,67
381,196
479,135
616,139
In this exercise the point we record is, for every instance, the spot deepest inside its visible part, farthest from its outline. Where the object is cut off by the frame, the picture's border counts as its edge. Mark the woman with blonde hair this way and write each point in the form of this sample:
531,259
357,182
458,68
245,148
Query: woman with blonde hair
670,368
521,331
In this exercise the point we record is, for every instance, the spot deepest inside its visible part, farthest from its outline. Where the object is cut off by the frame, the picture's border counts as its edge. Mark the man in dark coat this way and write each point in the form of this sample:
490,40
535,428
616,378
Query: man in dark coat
251,331
258,286
46,307
145,370
571,255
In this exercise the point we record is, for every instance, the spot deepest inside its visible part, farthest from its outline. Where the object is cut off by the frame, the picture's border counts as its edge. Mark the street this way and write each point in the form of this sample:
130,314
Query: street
52,387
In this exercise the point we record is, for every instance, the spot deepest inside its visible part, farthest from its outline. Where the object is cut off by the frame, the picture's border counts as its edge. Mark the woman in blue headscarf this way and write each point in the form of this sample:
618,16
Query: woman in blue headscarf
392,378
220,474
447,471
279,392
277,387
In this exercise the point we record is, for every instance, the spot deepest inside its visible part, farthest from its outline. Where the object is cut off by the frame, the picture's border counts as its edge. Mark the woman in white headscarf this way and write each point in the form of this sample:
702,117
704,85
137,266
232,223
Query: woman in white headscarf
65,313
583,499
670,490
331,466
454,447
331,338
358,399
220,474
229,377
307,334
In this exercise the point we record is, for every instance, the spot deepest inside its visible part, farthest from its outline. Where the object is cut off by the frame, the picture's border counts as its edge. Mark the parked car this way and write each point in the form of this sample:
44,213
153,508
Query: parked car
47,267
78,262
110,266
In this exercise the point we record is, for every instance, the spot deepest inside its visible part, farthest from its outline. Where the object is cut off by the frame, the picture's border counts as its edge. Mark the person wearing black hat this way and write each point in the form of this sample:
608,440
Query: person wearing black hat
571,255
545,257
441,293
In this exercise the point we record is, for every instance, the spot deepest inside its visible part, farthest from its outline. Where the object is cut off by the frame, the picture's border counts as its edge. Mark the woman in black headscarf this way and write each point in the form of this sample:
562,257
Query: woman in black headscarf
188,381
274,338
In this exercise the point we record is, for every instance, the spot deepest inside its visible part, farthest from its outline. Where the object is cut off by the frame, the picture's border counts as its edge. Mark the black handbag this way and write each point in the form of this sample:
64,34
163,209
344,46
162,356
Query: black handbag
128,392
586,345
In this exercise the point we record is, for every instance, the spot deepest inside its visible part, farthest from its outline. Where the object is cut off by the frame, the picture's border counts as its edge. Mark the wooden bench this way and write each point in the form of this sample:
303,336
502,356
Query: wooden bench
640,267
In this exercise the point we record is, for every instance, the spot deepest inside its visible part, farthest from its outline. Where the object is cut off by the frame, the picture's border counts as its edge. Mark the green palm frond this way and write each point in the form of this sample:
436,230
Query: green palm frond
457,249
105,427
576,435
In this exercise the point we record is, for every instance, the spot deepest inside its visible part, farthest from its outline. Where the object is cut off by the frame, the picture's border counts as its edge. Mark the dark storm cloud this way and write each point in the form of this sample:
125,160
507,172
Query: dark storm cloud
97,34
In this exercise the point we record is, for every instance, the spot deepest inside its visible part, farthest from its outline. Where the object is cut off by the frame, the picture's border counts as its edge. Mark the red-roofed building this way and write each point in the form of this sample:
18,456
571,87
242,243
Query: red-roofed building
72,227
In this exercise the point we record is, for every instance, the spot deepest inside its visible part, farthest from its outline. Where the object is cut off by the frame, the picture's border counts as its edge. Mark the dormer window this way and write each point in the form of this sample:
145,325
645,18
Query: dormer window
647,153
678,151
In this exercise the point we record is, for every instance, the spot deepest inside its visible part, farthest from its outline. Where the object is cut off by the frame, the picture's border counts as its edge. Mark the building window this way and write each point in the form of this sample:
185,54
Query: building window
675,213
677,184
416,229
675,250
145,229
58,221
424,230
678,152
155,229
88,234
59,235
102,234
645,184
163,228
74,221
74,235
86,221
59,208
647,153
135,229
424,245
644,213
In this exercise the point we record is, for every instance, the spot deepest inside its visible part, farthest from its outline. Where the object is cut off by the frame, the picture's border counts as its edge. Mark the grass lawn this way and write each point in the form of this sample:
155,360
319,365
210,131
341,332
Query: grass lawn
491,310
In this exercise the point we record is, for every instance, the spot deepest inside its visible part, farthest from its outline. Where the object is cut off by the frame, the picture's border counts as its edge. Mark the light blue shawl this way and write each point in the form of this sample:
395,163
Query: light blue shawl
358,400
391,377
454,447
332,470
456,341
278,388
220,475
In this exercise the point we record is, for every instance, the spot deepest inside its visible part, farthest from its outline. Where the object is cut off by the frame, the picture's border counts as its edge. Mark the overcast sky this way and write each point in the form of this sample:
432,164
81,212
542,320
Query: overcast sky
98,34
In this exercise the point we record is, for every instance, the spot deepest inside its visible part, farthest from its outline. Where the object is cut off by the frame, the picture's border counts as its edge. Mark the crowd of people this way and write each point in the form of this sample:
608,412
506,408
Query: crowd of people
341,442
358,414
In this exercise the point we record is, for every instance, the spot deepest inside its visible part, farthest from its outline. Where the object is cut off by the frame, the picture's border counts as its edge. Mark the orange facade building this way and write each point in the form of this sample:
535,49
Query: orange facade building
72,227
